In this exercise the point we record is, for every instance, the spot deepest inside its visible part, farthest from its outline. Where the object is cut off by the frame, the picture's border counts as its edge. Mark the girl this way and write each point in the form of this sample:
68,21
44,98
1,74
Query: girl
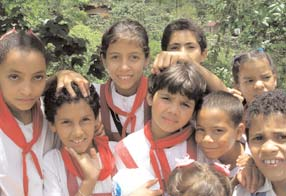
23,131
254,73
76,169
124,53
193,178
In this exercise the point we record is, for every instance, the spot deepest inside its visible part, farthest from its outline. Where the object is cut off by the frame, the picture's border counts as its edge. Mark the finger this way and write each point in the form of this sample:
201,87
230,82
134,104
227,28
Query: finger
255,179
94,157
73,153
150,183
67,85
156,192
83,86
241,178
155,65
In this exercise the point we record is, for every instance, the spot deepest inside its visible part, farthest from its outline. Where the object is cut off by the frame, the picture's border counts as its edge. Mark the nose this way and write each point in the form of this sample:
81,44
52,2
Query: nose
26,89
269,147
124,63
208,138
182,49
173,109
259,85
78,131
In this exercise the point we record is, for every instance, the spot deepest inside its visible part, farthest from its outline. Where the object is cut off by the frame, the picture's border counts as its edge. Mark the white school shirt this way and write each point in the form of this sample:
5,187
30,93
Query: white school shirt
265,190
55,181
138,147
11,180
125,104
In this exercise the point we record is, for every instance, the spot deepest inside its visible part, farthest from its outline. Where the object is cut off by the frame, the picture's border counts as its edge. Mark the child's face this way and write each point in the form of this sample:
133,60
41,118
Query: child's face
256,77
267,142
22,79
75,125
170,112
125,61
216,134
186,41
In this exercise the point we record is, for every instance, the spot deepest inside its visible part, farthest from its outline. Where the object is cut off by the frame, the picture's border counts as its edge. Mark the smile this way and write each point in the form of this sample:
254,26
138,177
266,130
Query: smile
272,161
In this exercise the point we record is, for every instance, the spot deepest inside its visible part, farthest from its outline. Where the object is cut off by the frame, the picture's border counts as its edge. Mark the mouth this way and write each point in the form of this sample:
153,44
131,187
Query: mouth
78,141
124,77
273,162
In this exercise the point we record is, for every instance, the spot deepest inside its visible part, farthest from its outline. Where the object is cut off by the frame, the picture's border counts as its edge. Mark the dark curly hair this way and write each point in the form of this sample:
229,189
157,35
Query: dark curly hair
54,100
272,102
181,78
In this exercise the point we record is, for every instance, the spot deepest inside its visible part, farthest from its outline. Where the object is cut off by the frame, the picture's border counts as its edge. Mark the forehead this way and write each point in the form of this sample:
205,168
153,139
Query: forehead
74,109
267,123
183,37
255,66
123,45
215,115
24,61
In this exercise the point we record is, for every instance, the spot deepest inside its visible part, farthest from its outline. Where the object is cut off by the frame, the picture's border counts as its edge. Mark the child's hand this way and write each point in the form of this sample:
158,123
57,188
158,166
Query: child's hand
145,190
249,176
66,77
89,163
236,93
165,59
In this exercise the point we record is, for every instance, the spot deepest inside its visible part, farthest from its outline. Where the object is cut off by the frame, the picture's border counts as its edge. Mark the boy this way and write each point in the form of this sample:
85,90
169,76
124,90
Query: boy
266,133
173,95
219,129
76,169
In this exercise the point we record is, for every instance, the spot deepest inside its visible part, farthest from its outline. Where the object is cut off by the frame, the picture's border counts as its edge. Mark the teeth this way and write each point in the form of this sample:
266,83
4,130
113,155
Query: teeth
271,162
124,77
78,141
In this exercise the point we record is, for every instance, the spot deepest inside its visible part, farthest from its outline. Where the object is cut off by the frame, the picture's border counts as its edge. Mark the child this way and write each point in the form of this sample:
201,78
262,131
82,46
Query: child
183,40
23,130
254,73
124,53
74,120
266,131
198,179
173,95
23,137
219,129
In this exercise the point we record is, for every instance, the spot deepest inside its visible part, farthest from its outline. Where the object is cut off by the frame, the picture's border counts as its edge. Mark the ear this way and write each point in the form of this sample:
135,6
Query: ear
240,131
275,80
149,99
103,60
52,127
204,55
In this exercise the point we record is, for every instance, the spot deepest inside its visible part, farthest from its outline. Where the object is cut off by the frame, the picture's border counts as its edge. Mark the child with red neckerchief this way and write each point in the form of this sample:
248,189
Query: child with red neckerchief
84,164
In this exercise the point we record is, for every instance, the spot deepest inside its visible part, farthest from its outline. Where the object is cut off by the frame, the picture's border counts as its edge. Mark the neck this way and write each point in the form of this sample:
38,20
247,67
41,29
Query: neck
280,188
231,156
23,116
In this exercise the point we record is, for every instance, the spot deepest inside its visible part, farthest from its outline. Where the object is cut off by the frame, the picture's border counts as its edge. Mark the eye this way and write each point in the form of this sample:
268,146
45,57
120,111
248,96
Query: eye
13,77
249,81
219,131
39,77
257,138
281,137
186,105
114,57
190,47
174,48
265,78
65,122
165,98
199,129
134,57
86,119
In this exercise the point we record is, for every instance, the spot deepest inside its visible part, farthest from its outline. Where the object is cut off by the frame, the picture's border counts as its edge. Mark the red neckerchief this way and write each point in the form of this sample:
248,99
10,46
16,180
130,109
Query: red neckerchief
105,155
139,99
10,127
157,147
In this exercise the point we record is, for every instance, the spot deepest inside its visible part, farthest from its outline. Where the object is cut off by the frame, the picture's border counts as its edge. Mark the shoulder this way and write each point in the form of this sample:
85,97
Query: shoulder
53,158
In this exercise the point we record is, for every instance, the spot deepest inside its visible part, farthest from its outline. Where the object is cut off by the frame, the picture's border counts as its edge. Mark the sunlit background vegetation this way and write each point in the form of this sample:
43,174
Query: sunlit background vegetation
72,29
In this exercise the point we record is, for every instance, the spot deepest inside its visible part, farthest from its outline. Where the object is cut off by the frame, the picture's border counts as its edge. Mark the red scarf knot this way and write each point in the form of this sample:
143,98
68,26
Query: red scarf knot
130,116
157,148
